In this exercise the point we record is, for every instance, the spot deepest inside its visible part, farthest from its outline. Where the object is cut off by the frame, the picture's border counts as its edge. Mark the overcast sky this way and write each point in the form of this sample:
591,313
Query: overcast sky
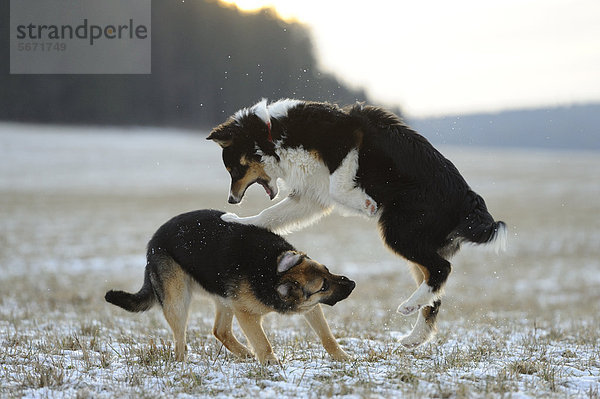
446,57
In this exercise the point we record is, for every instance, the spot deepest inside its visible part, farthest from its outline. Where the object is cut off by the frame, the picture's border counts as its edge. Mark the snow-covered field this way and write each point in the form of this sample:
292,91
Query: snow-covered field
77,207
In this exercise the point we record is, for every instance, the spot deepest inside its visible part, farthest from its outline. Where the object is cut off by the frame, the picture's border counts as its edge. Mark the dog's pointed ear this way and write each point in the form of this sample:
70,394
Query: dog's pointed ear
287,260
222,137
284,290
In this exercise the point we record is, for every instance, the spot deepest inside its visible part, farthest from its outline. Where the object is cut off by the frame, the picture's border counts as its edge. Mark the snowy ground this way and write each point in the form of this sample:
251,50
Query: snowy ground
77,208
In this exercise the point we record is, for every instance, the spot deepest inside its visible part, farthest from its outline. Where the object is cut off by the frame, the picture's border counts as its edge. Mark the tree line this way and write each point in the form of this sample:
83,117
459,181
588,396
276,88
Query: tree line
208,60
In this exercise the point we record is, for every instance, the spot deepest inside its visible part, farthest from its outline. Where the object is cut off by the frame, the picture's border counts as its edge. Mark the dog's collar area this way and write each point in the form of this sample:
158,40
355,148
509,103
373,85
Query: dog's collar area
269,137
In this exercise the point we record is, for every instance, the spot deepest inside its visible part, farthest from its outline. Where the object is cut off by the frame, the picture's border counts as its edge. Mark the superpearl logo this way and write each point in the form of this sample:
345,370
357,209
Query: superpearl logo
80,37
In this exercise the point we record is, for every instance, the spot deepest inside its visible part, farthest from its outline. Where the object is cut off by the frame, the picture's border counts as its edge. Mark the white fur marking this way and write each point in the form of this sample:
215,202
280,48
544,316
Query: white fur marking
420,333
259,109
314,190
238,116
281,107
501,238
423,296
307,179
344,191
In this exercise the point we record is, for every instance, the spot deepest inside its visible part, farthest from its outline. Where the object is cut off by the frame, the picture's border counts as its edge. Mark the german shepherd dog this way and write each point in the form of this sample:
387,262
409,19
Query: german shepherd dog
249,271
364,160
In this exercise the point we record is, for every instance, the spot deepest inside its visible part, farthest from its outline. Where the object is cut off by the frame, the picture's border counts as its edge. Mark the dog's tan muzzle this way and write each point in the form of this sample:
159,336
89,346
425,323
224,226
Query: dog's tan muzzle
237,190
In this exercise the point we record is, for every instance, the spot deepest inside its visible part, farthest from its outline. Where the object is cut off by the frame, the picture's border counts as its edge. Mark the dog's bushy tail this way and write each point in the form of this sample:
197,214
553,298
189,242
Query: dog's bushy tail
478,226
143,300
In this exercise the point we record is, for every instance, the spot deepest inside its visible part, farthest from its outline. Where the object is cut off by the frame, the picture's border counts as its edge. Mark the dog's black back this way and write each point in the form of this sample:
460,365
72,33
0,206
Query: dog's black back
219,254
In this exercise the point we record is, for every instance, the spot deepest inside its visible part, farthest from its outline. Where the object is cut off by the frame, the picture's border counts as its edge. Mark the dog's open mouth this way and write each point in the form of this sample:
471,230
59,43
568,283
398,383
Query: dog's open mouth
234,198
271,193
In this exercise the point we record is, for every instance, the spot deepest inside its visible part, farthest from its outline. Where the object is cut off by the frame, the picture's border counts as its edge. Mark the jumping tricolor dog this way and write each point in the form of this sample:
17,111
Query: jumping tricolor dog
247,270
364,160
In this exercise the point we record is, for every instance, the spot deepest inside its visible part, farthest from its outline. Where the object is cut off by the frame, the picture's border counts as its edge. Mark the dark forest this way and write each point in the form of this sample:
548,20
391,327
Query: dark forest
208,60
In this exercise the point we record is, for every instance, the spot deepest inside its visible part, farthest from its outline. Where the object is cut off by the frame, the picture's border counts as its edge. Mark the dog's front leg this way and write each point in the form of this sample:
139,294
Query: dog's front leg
344,191
293,213
317,321
356,201
223,332
251,324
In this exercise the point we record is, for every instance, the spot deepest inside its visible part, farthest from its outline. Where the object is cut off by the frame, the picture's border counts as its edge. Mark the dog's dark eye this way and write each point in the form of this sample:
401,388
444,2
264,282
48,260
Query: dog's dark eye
325,286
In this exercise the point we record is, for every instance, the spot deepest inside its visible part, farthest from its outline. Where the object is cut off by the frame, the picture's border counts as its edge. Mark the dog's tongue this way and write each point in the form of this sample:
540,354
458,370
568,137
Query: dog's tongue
267,189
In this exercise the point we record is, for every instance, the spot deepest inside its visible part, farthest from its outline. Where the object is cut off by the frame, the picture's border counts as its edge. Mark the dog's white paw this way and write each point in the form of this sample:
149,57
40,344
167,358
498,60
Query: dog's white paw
411,342
370,206
408,308
421,333
230,218
422,297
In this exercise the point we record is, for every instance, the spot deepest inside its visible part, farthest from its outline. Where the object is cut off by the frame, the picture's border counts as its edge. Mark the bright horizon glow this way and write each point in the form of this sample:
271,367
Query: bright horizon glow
465,56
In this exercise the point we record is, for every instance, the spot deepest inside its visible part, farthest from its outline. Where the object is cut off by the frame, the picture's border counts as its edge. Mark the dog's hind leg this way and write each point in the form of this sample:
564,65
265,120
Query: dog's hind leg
416,272
223,332
176,298
435,275
409,235
424,329
317,321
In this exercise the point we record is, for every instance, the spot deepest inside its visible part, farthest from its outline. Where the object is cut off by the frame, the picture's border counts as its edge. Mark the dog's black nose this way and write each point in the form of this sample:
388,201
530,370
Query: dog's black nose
232,200
346,281
351,284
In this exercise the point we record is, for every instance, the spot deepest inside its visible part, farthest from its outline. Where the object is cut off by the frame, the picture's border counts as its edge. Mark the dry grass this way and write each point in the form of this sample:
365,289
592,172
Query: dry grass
526,321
